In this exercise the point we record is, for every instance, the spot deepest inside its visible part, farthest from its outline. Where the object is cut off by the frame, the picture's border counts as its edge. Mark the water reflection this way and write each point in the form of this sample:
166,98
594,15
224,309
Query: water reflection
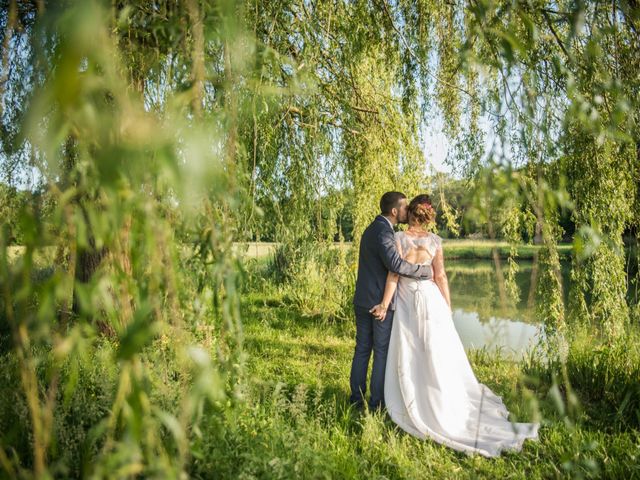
474,287
481,319
511,337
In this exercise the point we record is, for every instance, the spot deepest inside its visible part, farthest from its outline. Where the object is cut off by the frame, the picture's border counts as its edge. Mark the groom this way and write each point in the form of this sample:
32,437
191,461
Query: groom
378,256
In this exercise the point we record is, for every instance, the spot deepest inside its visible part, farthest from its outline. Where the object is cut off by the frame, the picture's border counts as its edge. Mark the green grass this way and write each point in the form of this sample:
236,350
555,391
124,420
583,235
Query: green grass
290,418
453,249
43,258
296,422
469,249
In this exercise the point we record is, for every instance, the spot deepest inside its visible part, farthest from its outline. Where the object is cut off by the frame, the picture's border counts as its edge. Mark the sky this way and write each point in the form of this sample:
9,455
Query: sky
435,148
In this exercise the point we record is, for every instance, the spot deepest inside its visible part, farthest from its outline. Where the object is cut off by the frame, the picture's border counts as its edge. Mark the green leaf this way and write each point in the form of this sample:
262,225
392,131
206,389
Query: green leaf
139,333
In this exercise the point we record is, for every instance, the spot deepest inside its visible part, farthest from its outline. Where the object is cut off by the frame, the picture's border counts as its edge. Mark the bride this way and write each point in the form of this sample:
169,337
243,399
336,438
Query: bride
430,390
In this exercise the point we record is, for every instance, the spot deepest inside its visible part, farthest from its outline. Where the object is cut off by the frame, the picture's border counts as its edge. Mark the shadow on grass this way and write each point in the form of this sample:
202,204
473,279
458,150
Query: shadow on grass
279,314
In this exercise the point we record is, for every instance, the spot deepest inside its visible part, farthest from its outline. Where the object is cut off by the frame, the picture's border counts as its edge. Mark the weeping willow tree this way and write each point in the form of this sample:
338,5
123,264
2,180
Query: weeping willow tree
118,128
566,72
162,131
543,81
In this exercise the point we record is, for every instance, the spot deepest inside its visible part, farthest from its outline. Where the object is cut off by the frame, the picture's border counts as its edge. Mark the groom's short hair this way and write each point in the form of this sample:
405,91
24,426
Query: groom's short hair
389,201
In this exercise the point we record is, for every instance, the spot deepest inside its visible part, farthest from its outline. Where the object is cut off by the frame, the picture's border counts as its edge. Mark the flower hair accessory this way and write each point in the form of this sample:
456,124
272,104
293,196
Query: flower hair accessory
425,208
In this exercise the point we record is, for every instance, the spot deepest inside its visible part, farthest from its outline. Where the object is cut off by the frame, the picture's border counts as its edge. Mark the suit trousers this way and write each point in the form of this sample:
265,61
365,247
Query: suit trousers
371,335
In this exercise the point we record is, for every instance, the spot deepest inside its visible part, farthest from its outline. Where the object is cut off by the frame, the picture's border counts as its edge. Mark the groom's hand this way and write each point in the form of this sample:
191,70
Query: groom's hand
426,272
379,311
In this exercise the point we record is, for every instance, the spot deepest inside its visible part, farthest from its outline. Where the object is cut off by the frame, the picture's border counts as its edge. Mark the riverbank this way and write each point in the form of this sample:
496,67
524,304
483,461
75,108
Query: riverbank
453,249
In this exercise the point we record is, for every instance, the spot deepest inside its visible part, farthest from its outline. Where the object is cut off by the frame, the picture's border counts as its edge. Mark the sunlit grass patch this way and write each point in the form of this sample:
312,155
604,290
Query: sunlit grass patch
300,370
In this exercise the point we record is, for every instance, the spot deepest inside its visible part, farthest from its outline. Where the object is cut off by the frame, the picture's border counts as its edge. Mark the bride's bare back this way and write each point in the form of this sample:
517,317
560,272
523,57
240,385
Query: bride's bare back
418,255
419,250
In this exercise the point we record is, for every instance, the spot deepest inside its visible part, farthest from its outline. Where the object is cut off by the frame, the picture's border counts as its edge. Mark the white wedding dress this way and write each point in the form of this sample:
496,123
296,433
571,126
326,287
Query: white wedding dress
430,389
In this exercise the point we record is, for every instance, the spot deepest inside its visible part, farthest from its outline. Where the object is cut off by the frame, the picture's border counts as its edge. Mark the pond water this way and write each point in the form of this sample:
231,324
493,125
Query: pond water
511,337
482,319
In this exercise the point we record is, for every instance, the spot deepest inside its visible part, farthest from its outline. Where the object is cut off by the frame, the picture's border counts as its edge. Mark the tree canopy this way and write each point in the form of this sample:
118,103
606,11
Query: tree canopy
151,125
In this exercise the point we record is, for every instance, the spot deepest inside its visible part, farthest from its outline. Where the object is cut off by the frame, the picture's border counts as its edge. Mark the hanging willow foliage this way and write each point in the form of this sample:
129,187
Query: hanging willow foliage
161,132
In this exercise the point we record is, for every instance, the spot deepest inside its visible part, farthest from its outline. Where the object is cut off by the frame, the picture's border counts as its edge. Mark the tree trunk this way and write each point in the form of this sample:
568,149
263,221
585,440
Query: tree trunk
87,262
197,32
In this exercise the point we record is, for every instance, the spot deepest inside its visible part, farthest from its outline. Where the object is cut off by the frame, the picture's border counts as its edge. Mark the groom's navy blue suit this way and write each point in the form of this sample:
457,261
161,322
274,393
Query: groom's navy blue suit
378,256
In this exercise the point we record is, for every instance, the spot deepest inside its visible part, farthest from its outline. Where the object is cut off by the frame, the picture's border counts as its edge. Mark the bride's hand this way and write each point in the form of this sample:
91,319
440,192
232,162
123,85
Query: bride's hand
379,311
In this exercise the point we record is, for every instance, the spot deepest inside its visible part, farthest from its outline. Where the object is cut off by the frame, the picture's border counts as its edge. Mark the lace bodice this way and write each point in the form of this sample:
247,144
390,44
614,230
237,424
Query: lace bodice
430,243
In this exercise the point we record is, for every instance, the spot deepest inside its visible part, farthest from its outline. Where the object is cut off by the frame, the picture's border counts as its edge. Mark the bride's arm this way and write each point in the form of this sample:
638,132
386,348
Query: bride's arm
389,289
380,311
440,275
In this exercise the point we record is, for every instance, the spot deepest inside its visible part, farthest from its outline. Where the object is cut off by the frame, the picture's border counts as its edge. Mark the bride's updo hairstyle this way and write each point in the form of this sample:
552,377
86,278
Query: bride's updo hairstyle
421,209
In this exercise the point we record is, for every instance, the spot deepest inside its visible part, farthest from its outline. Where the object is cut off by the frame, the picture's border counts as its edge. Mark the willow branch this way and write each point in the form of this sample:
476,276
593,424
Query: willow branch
413,55
553,31
11,22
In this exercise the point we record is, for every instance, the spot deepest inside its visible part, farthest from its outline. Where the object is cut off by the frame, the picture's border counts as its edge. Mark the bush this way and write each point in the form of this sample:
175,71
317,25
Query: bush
603,375
84,397
318,279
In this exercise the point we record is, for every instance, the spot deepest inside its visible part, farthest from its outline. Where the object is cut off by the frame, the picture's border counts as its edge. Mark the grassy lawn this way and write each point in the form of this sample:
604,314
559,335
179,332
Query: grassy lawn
453,249
297,422
484,249
291,417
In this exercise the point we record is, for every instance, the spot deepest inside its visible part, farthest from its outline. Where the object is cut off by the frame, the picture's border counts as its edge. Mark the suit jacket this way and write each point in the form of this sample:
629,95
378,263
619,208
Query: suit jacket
379,256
